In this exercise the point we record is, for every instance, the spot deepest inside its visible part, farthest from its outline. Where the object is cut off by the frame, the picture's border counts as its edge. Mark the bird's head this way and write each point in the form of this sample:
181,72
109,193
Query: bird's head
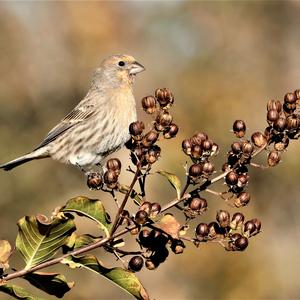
121,68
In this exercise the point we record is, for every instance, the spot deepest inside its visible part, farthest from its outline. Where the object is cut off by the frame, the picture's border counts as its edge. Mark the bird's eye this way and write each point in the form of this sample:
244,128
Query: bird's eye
121,63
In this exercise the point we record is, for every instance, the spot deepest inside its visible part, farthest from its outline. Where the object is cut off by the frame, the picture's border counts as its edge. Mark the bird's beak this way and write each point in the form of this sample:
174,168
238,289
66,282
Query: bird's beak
136,68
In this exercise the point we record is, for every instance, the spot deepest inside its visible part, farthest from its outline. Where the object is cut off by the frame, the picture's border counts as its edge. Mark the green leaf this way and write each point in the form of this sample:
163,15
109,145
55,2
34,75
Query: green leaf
18,292
38,240
51,283
174,180
5,252
121,277
91,208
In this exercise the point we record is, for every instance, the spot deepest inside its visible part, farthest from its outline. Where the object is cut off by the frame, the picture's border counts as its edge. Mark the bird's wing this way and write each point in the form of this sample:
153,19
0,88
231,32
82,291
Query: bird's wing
77,115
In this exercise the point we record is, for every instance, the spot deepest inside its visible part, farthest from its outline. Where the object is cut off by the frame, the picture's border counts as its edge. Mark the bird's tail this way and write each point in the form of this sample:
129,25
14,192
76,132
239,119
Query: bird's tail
21,160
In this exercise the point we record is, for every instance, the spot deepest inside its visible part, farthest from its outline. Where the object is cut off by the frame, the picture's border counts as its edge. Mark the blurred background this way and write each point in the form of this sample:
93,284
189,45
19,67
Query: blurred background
222,60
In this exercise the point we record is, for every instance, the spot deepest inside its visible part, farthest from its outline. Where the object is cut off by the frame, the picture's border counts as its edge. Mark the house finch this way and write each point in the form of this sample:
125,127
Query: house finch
98,125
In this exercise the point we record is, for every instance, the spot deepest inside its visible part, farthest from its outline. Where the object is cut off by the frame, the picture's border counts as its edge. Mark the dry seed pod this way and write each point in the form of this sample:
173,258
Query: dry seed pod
94,181
290,98
258,139
149,104
241,243
164,97
186,146
237,220
272,115
223,218
273,158
141,217
232,178
136,263
195,170
114,164
171,131
239,128
136,128
274,105
242,200
280,124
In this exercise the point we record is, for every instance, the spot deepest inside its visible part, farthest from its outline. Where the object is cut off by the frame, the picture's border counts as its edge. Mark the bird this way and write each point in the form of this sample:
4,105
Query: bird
99,124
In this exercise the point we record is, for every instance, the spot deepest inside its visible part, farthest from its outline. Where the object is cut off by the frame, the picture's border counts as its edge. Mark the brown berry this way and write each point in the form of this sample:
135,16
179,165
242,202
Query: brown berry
136,128
280,124
290,98
141,217
171,132
223,218
274,105
292,122
177,246
150,138
241,243
146,206
232,178
272,115
114,164
110,179
144,238
198,204
155,209
202,230
236,147
196,151
247,148
195,170
237,220
94,181
273,158
149,104
208,168
239,128
136,263
164,97
258,139
242,200
186,146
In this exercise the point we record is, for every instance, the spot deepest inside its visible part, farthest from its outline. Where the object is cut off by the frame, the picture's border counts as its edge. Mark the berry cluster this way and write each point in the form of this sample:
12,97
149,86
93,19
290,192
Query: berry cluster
143,144
96,181
235,232
200,149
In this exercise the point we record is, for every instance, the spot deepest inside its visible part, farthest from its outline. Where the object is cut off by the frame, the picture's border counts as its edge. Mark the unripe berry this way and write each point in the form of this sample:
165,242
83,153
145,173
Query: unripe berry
136,263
